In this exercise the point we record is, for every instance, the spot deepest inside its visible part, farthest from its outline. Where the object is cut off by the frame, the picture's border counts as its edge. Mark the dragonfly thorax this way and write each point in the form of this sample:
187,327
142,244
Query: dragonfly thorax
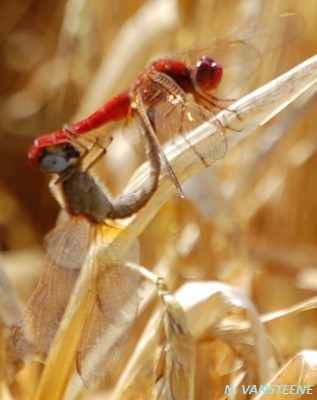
80,192
82,195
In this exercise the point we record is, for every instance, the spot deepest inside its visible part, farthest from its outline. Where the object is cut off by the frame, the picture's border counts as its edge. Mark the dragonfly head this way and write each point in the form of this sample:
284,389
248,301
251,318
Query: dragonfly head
54,159
43,142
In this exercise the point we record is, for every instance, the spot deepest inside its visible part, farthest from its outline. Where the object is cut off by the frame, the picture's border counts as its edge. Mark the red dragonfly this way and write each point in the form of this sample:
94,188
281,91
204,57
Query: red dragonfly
81,237
174,96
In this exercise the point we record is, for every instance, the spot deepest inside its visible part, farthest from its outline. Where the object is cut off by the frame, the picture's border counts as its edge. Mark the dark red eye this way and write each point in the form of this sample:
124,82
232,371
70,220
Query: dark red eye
207,74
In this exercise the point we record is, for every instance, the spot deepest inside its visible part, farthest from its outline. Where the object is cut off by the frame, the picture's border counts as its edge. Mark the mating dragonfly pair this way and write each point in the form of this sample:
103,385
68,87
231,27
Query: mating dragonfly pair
172,97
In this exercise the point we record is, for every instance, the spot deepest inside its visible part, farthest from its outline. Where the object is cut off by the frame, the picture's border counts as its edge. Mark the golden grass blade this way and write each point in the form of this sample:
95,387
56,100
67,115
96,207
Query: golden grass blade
217,310
222,320
174,372
305,305
300,370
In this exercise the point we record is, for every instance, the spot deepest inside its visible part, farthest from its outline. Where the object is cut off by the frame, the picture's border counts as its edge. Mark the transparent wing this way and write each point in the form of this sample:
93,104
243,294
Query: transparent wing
112,306
263,37
68,243
180,119
174,115
109,319
148,93
45,308
240,53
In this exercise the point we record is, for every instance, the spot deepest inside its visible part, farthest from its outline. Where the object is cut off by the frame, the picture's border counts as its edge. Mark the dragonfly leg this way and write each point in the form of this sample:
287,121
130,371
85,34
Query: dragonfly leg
213,102
93,142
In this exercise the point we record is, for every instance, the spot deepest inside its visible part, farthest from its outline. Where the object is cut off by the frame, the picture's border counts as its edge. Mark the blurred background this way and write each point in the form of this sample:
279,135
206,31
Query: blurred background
249,220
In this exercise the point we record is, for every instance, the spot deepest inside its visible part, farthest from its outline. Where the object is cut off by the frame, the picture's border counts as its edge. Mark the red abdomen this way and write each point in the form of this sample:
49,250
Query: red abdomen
114,110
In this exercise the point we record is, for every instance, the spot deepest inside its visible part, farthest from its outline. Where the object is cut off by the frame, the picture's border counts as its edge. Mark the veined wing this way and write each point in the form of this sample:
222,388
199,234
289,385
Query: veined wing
111,308
175,115
240,52
68,243
181,119
45,308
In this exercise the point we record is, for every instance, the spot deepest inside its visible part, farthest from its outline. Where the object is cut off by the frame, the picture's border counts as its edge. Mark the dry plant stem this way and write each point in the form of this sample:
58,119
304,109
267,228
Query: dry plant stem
149,276
175,363
254,110
309,304
206,307
300,370
205,312
174,371
166,352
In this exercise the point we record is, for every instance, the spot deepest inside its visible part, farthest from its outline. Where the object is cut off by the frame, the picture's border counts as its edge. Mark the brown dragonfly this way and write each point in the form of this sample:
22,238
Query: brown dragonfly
81,237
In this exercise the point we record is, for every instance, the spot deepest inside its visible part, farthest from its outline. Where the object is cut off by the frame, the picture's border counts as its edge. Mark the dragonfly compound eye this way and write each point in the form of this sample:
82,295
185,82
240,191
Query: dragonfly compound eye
207,74
53,163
